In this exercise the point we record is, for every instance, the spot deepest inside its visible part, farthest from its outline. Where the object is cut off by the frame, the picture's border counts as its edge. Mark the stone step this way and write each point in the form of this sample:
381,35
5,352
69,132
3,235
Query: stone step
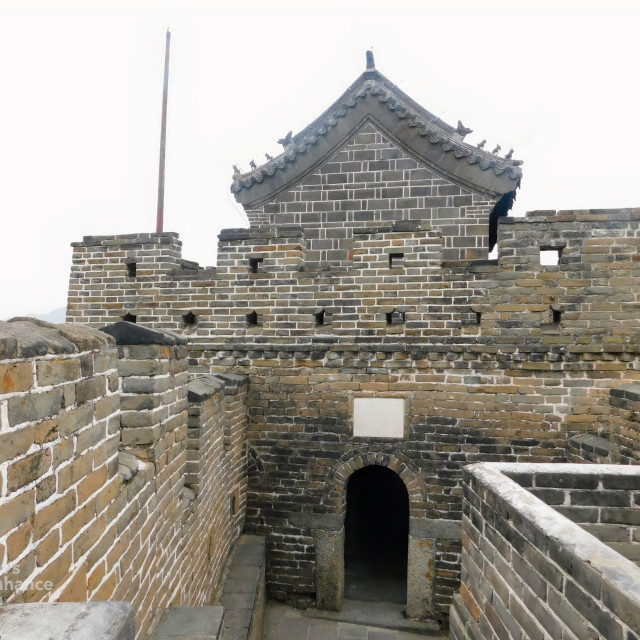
386,615
188,623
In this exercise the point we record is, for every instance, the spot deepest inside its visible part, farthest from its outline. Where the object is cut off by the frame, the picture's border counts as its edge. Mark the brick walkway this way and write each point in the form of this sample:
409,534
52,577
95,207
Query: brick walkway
285,623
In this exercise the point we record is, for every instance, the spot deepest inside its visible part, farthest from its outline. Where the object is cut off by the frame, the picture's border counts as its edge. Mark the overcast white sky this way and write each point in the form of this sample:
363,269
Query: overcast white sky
81,89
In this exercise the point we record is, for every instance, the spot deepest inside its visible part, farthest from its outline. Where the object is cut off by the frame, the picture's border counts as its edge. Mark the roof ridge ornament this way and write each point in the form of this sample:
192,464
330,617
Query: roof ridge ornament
371,64
286,141
463,131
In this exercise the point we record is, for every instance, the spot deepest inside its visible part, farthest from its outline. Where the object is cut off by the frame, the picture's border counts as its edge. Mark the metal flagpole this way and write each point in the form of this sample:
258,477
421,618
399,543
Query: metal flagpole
163,138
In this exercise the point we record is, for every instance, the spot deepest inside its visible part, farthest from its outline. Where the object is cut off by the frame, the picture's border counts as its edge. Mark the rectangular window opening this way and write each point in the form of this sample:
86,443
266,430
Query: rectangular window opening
550,255
254,264
131,269
557,316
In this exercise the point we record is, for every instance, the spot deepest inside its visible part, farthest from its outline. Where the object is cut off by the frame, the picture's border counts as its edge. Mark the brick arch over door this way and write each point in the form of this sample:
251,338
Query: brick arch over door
335,492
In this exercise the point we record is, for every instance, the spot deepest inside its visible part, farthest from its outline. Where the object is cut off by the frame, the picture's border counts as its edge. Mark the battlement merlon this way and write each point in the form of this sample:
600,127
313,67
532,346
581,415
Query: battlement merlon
258,248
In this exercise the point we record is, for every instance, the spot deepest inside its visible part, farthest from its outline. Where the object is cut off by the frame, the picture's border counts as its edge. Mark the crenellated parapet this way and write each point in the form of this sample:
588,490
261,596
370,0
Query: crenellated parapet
566,281
395,284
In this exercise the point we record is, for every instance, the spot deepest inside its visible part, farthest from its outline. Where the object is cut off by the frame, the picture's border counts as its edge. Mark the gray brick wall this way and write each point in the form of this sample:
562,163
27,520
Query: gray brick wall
527,571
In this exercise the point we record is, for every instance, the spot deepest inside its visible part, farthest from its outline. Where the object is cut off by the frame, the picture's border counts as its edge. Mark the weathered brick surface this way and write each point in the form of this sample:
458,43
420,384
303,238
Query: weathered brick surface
529,572
74,525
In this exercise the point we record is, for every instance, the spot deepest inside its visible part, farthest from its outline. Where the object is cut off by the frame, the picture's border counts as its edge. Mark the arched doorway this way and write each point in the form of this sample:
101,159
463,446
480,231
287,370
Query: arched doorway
376,536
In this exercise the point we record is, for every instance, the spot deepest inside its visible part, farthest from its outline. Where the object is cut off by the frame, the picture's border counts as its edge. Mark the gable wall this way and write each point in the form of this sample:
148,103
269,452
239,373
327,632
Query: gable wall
372,181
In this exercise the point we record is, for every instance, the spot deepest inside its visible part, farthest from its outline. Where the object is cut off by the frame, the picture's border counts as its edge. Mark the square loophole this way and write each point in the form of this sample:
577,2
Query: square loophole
395,317
396,260
189,319
253,319
550,256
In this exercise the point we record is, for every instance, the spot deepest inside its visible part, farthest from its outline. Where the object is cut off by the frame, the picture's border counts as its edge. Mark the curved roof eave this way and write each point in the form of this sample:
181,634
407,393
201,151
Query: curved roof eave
423,136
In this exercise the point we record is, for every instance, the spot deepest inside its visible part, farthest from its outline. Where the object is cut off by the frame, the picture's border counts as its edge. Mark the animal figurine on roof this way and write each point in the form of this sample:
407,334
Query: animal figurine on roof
462,130
286,141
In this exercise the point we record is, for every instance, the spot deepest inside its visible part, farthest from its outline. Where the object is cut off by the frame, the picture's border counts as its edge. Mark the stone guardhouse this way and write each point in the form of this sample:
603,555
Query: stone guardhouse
383,349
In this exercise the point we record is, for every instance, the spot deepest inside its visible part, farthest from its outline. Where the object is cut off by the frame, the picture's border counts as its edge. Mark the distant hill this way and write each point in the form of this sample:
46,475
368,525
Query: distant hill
56,316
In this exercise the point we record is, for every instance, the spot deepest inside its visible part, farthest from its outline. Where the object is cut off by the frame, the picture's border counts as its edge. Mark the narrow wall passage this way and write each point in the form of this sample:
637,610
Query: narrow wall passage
376,542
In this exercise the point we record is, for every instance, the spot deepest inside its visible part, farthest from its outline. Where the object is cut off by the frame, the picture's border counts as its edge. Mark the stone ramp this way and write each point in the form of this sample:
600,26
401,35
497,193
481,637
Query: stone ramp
243,593
384,615
67,621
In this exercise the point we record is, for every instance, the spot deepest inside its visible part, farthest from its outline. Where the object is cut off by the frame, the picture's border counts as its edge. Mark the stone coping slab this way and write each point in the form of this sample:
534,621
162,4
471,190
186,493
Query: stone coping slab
132,333
29,338
592,444
203,387
67,621
124,238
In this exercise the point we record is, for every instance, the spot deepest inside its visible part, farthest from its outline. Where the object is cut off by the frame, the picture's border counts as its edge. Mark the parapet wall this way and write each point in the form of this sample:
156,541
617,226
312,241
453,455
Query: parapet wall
529,570
396,286
121,480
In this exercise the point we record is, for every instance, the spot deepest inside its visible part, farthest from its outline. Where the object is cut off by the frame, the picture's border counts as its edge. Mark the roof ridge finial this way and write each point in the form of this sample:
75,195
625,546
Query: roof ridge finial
370,61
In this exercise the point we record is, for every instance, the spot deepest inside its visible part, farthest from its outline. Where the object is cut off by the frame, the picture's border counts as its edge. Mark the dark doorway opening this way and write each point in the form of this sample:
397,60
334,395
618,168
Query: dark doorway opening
376,536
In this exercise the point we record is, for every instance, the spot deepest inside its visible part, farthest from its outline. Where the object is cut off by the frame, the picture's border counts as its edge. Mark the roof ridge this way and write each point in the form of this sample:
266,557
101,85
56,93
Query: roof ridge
428,125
